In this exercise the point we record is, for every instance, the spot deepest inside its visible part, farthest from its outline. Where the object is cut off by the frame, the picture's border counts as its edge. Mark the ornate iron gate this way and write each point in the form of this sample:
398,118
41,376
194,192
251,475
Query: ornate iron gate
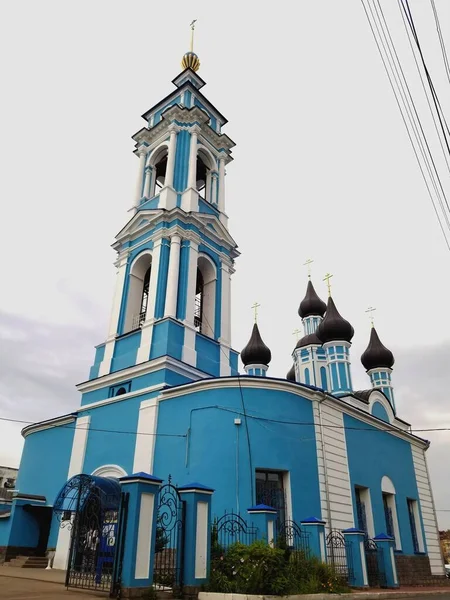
168,566
291,536
339,555
91,508
374,557
228,530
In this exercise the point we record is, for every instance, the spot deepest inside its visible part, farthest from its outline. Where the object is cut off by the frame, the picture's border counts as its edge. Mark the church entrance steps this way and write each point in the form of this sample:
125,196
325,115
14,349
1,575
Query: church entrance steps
28,562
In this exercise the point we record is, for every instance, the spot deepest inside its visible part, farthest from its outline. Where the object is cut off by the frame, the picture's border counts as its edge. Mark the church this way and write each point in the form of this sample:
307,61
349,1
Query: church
165,396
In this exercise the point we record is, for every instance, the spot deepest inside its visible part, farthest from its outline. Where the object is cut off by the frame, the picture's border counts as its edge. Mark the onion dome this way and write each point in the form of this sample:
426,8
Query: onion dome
191,61
376,355
256,352
308,340
291,374
311,303
334,328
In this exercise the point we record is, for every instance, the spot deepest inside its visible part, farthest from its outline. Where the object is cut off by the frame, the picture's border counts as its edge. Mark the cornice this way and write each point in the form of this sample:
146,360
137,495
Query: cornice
57,422
141,369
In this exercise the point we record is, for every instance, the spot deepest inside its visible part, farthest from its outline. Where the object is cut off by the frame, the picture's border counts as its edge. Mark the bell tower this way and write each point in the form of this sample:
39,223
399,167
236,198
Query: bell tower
175,256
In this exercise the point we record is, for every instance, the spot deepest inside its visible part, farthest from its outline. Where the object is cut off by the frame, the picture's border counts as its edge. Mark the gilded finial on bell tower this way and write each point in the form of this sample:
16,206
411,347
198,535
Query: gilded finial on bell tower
190,59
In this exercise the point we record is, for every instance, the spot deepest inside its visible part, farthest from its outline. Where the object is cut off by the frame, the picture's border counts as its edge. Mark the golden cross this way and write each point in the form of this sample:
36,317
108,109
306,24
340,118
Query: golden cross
327,278
308,264
370,310
296,332
255,307
192,26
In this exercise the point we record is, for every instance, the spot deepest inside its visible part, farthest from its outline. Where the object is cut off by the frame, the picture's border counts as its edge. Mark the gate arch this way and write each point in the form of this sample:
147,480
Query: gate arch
89,507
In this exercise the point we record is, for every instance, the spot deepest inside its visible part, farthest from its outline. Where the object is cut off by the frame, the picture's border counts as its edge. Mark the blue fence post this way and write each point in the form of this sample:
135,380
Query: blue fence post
264,517
386,559
316,539
356,557
197,535
140,533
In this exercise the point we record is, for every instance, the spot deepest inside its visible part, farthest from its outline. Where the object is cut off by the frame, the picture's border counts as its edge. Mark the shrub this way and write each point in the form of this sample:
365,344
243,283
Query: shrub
260,569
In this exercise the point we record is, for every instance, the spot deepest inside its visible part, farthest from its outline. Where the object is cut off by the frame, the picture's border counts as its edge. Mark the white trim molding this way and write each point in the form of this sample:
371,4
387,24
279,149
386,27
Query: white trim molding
109,471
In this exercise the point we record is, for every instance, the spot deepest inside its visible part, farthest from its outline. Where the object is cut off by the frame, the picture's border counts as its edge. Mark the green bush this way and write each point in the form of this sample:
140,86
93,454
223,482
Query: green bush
260,569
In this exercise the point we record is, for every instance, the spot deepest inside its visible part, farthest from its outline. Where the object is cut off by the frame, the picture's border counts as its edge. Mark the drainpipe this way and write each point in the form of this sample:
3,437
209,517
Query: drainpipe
325,471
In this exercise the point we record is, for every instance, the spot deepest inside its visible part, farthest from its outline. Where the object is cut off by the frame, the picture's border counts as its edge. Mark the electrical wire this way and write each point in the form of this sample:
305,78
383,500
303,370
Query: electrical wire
408,111
441,39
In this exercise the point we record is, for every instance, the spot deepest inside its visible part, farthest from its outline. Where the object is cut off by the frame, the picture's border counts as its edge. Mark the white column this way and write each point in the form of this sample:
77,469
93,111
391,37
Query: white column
189,354
192,282
138,192
118,292
221,202
214,177
168,181
148,182
172,277
193,160
225,326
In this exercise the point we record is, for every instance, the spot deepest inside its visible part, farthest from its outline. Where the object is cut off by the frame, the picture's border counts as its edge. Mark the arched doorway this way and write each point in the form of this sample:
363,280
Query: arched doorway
90,507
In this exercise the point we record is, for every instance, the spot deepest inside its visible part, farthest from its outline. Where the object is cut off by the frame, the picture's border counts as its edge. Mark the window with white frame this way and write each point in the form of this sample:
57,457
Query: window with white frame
390,511
414,523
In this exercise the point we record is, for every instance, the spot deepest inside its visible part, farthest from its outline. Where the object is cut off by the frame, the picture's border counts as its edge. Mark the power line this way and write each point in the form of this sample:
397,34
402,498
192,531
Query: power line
250,416
441,40
408,111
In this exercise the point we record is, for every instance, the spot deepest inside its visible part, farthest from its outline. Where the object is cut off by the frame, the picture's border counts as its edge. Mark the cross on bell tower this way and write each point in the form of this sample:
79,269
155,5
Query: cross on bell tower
175,255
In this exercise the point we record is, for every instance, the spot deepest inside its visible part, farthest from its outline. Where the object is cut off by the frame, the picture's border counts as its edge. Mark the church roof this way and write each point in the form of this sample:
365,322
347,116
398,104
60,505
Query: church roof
308,340
334,328
376,354
311,303
256,352
291,374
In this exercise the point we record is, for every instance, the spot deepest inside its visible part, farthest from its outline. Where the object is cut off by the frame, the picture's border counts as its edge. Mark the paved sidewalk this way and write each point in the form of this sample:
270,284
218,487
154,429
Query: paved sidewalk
18,588
49,576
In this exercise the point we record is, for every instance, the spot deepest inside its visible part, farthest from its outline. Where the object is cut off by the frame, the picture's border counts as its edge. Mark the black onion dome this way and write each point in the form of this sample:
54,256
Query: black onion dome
256,352
376,355
291,374
311,303
308,340
334,328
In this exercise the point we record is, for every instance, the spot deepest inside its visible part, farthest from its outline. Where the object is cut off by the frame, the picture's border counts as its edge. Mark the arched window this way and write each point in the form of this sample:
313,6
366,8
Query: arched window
390,510
198,312
138,290
121,391
205,296
205,164
158,163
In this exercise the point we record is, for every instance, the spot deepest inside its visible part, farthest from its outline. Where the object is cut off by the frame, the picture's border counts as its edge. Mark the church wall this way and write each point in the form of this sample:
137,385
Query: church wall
373,454
45,460
137,383
216,445
104,446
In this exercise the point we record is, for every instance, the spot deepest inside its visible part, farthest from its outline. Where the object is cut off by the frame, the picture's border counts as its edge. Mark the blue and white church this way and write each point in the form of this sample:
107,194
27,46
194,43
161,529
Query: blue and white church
164,394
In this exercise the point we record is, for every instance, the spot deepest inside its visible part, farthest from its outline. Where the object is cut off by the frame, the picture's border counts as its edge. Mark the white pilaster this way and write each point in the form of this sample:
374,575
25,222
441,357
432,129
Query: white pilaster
138,192
221,200
168,181
172,277
143,354
105,365
79,443
145,442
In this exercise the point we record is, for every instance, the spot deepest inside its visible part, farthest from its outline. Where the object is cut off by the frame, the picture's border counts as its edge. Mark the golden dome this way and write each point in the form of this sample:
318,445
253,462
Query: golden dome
191,61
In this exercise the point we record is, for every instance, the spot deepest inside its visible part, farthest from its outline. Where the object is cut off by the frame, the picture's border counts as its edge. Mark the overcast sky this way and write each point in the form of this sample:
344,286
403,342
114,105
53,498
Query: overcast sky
323,169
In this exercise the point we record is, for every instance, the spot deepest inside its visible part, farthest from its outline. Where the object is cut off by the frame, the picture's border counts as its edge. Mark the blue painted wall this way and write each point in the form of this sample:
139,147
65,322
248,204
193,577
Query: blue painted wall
373,454
208,355
99,354
272,445
125,351
167,339
379,411
182,161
